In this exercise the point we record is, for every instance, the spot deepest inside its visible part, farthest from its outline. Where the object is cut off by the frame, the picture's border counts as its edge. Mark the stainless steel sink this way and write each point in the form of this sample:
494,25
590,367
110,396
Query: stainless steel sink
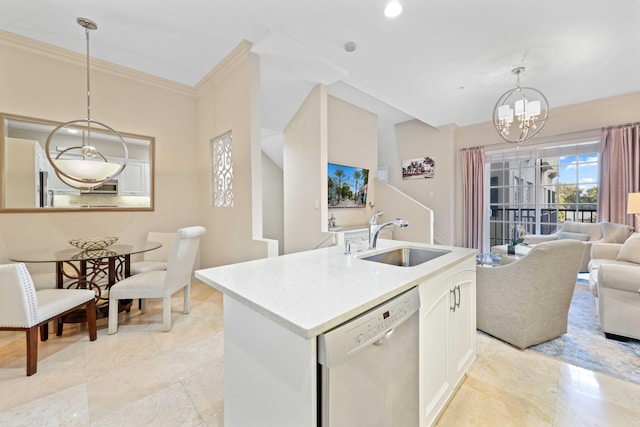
406,257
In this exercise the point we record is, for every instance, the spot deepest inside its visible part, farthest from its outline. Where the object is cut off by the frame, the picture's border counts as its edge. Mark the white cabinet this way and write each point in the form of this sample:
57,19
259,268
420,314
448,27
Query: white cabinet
447,336
134,180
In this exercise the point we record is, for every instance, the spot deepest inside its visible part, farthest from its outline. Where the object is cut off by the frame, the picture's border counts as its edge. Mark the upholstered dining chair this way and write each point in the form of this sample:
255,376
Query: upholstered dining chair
157,259
161,283
526,301
23,308
40,280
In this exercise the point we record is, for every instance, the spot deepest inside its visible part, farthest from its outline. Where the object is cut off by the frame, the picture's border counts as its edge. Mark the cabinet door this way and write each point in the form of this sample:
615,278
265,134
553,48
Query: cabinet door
462,325
435,387
132,180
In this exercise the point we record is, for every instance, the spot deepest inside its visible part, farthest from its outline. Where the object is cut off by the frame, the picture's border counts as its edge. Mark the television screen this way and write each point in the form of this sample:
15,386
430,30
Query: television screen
347,186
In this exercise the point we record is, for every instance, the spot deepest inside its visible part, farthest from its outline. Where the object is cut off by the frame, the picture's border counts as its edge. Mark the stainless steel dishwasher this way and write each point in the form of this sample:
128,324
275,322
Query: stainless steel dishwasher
369,367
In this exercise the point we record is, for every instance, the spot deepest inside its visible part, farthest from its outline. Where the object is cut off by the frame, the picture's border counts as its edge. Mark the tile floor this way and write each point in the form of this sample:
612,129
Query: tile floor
142,375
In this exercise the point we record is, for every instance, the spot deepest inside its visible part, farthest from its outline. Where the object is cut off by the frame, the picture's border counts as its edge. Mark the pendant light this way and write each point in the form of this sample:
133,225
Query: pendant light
520,113
85,166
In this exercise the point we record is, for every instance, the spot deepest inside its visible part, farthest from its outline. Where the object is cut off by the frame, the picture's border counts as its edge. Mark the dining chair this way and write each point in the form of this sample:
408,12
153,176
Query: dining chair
23,308
157,259
40,280
160,283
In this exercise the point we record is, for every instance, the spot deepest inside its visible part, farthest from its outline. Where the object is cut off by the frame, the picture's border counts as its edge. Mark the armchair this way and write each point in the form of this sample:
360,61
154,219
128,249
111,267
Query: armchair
22,308
526,302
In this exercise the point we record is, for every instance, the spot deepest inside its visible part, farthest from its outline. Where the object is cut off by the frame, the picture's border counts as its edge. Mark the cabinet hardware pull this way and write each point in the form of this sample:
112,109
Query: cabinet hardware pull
459,297
452,307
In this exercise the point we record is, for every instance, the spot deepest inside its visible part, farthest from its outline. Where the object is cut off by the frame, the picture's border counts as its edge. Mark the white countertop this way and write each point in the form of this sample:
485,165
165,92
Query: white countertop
314,291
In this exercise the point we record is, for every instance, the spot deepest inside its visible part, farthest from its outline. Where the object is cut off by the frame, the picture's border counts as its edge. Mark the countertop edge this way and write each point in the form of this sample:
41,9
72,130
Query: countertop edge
324,326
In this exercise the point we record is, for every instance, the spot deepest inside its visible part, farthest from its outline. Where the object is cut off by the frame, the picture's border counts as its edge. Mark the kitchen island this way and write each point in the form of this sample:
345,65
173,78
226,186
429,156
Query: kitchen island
275,308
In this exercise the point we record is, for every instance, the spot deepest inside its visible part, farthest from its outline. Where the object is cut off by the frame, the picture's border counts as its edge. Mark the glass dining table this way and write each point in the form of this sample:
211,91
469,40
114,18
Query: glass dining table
96,269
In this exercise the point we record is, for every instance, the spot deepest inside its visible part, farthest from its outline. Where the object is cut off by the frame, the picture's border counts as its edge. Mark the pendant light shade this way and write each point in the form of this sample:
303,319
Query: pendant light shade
92,163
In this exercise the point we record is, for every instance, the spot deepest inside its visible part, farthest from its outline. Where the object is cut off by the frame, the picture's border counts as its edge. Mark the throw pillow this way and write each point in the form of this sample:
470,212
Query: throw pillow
615,233
575,236
630,250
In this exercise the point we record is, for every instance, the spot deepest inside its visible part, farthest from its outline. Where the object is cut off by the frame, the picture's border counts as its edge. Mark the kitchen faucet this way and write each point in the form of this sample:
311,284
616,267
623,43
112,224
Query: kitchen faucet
374,228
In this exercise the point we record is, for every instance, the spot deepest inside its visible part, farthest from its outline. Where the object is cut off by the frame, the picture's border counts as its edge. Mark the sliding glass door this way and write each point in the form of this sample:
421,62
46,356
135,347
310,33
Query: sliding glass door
536,189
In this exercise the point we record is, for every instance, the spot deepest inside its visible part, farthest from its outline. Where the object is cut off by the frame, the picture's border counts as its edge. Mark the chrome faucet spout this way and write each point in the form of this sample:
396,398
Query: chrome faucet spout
375,229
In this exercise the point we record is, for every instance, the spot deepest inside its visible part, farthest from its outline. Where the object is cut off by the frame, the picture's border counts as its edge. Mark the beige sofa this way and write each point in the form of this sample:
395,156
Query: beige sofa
589,232
614,279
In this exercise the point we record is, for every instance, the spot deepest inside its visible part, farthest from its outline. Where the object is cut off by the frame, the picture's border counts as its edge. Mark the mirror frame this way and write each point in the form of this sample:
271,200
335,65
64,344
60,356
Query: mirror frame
3,179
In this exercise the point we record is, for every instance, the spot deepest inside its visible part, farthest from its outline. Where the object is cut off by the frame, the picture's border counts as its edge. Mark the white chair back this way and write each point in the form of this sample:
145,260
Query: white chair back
163,253
182,259
18,300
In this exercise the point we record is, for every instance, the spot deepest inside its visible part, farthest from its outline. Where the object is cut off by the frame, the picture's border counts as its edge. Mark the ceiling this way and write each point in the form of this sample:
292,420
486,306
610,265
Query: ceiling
441,61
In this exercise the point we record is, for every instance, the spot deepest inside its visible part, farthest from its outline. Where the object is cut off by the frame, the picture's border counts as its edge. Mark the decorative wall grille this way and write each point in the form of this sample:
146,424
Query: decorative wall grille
222,171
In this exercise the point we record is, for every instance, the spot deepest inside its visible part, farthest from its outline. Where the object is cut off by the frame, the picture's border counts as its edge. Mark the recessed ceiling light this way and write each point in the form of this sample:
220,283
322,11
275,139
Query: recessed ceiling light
350,46
393,9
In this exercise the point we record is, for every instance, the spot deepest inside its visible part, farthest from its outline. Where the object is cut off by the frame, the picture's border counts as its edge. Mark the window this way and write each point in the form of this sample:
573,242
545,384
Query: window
539,188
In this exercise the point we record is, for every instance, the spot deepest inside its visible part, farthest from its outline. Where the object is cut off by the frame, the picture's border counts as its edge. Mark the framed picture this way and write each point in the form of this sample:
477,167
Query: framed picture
419,168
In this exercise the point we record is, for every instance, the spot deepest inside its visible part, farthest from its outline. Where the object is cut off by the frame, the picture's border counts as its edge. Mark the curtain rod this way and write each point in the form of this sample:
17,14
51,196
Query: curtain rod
559,135
620,126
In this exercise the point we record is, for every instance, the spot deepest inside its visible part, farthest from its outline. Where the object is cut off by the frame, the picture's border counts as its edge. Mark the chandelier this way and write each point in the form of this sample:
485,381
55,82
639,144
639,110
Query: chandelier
85,166
521,112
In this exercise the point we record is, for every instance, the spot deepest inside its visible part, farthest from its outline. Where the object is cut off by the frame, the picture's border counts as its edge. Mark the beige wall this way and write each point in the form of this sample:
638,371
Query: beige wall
227,99
570,123
272,202
305,173
353,141
41,81
417,140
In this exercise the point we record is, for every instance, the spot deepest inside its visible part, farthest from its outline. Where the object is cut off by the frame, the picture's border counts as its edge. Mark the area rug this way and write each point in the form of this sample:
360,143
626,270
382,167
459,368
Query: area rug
585,345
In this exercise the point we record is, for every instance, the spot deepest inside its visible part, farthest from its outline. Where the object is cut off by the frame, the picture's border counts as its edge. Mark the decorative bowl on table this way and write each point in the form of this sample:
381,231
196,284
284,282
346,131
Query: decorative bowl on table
93,243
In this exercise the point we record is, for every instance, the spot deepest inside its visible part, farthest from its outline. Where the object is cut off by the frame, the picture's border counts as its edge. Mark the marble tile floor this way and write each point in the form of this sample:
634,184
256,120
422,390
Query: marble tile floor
142,375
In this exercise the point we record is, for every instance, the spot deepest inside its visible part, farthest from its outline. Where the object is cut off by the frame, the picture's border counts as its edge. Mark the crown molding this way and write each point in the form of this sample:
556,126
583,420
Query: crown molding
65,55
228,64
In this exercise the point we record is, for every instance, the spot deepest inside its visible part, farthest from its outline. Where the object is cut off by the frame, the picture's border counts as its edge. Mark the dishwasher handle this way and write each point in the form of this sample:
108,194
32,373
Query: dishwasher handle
384,338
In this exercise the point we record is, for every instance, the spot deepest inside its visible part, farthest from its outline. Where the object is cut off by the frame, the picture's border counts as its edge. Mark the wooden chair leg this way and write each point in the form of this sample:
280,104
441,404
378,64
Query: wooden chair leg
32,350
91,320
59,326
44,331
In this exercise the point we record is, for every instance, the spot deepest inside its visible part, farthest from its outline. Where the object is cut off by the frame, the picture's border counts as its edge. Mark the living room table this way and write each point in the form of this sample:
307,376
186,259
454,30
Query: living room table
97,269
492,259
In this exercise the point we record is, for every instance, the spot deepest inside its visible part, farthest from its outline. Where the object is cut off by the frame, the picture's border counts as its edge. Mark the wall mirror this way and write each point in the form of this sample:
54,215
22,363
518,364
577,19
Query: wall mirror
28,183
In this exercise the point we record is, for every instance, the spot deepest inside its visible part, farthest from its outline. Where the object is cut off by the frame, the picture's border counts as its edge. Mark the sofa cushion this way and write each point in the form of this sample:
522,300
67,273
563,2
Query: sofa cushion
615,233
630,250
591,228
574,236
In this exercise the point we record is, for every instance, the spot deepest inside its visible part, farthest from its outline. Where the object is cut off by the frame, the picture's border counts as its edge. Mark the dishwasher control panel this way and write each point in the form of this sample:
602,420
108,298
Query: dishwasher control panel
367,328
